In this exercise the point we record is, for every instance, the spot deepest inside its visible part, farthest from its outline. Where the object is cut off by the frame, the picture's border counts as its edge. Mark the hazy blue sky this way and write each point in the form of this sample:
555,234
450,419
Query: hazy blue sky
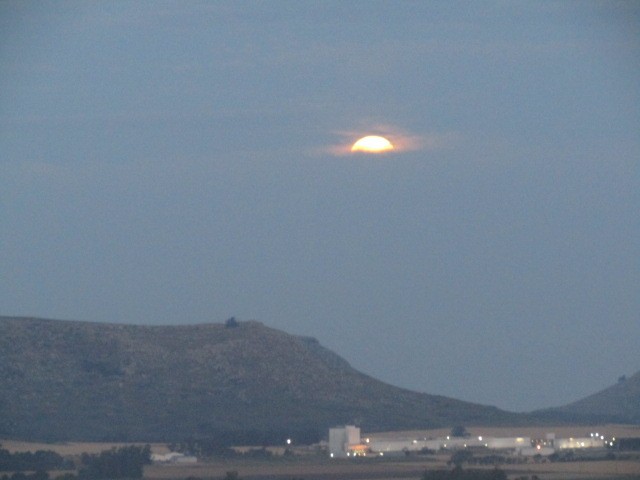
178,162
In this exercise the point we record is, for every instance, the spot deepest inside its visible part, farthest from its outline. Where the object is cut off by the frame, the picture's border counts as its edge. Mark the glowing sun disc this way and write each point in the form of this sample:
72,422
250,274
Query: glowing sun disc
372,144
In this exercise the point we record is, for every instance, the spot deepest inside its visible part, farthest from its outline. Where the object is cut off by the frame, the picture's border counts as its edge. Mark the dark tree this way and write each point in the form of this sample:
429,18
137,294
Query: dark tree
460,457
124,462
39,461
231,323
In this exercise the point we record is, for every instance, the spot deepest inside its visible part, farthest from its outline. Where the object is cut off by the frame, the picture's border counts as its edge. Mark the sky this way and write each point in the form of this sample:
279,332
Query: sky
180,162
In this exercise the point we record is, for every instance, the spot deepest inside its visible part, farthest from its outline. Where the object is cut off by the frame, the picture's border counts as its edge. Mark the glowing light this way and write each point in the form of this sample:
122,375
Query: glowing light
372,144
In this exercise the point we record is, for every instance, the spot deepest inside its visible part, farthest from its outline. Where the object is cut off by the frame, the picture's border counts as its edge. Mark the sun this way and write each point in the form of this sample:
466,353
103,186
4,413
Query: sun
372,144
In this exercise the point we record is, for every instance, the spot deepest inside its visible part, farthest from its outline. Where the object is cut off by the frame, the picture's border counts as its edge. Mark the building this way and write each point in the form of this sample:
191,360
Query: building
172,457
509,443
538,450
342,440
345,442
580,442
449,443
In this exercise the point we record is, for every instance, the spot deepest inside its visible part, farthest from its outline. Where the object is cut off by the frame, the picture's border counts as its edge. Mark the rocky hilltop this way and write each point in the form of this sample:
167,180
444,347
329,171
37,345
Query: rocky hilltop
69,380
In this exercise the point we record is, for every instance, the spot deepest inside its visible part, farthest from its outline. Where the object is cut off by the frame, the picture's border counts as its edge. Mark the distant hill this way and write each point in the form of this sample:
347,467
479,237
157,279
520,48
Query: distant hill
67,380
619,403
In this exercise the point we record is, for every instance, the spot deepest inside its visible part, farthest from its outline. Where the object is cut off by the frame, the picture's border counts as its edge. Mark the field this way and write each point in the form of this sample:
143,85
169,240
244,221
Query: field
72,448
319,467
397,469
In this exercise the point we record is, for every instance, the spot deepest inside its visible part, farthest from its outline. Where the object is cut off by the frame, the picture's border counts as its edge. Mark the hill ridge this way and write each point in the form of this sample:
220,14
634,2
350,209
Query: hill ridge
76,380
618,403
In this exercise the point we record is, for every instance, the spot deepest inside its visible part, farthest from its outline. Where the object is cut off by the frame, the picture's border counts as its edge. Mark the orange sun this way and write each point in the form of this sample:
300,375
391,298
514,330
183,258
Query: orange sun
372,144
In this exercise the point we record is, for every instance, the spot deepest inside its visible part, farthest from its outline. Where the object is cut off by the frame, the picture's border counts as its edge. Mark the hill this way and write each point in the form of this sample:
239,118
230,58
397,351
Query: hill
69,380
619,403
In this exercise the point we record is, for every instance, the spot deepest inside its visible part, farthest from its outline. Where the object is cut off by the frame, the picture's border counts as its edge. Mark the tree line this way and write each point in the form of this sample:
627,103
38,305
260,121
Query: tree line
117,463
219,445
123,462
39,460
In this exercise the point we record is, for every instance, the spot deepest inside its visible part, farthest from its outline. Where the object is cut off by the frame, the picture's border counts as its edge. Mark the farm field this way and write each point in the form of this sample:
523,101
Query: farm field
399,469
73,448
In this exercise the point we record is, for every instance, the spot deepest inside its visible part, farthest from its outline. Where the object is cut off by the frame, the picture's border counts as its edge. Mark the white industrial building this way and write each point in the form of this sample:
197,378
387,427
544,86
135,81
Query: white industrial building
345,441
581,442
537,450
448,443
342,440
173,457
513,443
392,446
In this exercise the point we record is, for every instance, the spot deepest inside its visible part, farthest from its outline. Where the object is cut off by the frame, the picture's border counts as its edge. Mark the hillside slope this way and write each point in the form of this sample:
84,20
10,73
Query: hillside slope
67,380
619,403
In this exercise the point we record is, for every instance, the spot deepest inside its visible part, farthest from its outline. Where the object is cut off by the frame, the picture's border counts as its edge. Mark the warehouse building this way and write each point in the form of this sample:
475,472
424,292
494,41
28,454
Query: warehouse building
344,440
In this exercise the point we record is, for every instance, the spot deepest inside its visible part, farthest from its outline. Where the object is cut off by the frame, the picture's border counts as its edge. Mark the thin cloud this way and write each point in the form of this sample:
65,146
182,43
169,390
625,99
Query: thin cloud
401,140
